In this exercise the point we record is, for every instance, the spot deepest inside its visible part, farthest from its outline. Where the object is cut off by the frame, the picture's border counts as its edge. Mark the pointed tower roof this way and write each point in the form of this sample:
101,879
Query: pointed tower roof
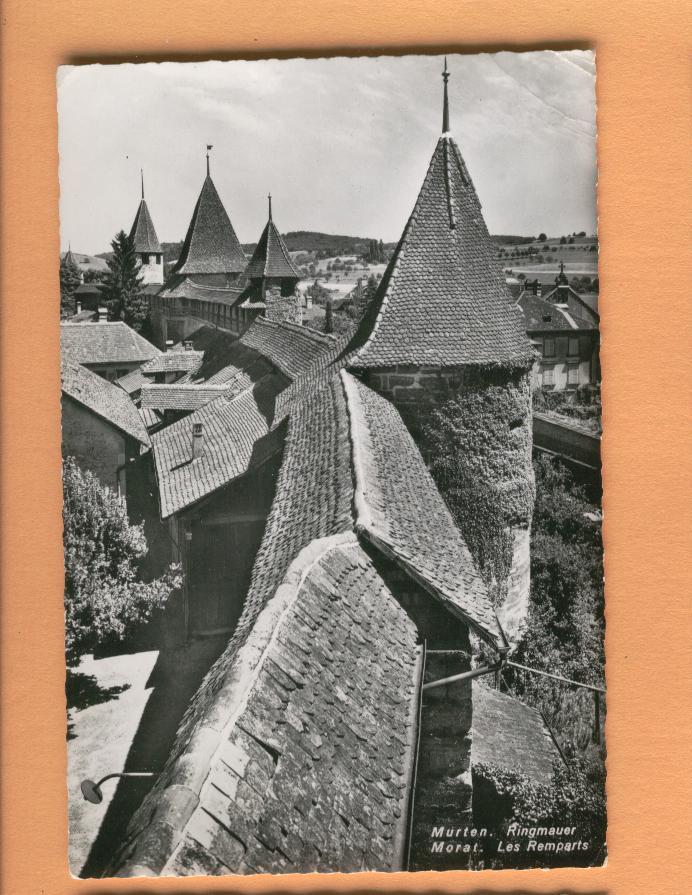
68,257
211,246
143,231
271,258
443,299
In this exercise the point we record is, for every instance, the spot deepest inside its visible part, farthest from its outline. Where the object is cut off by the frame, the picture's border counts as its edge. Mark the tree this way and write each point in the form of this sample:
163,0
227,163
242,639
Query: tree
563,241
542,237
104,594
69,281
123,284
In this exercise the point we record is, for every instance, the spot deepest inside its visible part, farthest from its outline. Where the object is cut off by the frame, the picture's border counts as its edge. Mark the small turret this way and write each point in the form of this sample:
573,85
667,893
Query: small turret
147,245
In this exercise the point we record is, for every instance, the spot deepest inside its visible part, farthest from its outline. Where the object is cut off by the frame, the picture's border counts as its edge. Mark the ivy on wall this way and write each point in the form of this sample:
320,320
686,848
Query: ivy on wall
478,444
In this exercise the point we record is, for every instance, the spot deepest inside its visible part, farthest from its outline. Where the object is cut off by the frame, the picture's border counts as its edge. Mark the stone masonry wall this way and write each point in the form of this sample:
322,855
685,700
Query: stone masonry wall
283,308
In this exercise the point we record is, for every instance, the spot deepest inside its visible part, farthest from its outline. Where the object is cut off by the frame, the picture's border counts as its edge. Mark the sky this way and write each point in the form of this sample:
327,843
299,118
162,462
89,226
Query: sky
342,144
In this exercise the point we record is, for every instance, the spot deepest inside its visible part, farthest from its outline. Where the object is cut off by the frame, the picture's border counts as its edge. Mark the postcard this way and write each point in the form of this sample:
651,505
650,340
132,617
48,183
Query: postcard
331,426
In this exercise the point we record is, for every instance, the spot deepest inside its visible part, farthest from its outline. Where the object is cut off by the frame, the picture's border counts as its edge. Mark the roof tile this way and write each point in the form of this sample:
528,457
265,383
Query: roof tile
443,299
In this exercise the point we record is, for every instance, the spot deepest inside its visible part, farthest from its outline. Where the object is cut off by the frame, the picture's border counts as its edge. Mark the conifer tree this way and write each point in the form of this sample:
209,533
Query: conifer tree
69,281
123,284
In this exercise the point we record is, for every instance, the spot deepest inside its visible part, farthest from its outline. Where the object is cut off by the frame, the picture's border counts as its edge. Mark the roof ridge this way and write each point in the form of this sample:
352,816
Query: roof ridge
105,385
237,685
397,258
366,523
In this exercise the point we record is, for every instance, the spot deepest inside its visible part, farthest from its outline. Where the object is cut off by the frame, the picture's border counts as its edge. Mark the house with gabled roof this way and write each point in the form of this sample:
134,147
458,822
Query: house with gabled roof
101,427
108,347
565,330
339,723
147,245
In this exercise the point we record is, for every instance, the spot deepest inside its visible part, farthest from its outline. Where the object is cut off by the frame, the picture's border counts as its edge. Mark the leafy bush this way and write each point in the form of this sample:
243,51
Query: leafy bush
104,595
575,797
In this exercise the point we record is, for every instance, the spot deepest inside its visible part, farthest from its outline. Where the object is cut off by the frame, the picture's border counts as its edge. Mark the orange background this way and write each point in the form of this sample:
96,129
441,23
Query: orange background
643,53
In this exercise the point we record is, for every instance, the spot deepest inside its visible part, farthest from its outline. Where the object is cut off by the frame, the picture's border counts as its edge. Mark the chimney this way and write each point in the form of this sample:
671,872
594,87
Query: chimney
168,345
329,316
197,440
103,315
187,345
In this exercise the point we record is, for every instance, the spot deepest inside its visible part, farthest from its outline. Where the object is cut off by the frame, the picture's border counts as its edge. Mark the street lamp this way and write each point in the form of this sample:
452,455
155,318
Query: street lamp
92,791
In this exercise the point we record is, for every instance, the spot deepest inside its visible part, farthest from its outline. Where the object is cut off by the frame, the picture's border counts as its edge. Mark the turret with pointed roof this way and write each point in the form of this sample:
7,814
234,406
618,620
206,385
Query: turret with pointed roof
271,262
147,245
442,332
443,299
211,246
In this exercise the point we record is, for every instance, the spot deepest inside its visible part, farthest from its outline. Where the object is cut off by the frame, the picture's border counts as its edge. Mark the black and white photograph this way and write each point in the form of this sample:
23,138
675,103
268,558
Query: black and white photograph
331,426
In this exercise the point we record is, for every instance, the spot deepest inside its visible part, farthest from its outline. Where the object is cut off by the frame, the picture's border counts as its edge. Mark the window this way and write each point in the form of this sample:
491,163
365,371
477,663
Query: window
145,258
549,376
573,375
158,259
573,346
549,348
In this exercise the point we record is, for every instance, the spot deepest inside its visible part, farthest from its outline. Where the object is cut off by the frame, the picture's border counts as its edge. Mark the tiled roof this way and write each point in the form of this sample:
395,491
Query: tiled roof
289,347
236,436
104,343
174,362
296,753
443,299
544,315
303,753
186,287
180,397
401,511
211,245
589,309
150,418
89,289
132,382
510,735
103,398
143,231
271,257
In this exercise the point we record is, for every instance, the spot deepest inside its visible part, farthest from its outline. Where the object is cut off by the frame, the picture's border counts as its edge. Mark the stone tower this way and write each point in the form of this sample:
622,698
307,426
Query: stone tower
442,332
147,244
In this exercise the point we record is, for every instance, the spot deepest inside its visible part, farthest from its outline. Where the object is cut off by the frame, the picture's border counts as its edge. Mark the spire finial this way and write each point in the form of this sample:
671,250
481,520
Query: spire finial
141,171
270,205
209,148
445,102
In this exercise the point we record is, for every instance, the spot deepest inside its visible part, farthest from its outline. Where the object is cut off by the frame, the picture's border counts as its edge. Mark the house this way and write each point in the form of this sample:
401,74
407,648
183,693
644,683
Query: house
101,427
109,348
327,736
147,245
564,328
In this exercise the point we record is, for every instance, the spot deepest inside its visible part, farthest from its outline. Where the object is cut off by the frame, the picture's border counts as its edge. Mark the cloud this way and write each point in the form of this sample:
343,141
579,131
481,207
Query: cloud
343,143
